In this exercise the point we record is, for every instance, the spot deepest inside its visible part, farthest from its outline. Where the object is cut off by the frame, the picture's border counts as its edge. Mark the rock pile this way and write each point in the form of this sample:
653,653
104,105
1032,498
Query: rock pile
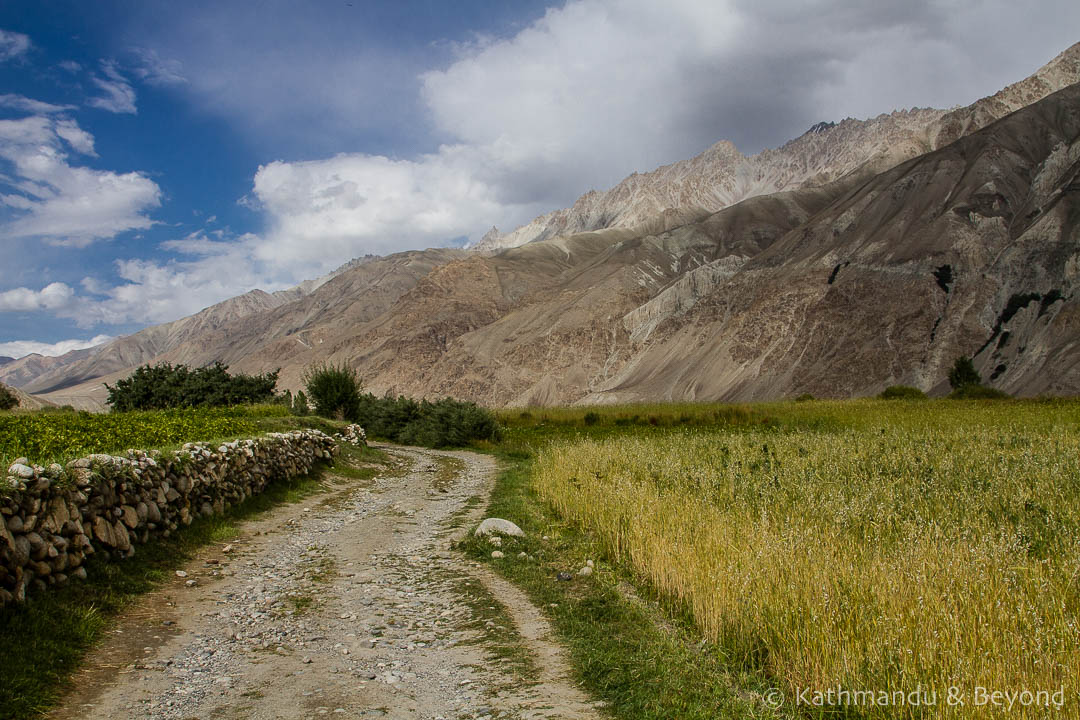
52,518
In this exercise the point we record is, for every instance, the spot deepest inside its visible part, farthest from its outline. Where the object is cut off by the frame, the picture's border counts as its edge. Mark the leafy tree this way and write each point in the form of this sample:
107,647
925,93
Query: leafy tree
7,398
335,390
963,373
164,386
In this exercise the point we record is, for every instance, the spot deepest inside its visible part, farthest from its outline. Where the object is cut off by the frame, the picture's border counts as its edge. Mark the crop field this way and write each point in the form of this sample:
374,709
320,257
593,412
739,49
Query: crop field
922,547
44,437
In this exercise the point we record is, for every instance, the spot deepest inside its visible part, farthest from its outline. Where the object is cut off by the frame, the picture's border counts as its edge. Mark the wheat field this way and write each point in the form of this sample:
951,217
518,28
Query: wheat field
926,547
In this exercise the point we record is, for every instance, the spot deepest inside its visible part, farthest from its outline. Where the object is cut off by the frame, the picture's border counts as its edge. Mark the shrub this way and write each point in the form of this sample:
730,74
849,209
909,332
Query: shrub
591,418
300,404
963,373
805,397
443,423
335,391
977,392
902,392
165,386
7,399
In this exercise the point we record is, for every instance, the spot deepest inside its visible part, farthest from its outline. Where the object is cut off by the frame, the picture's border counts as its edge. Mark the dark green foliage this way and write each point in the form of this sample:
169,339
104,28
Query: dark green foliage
805,397
335,391
443,423
902,392
591,418
7,399
165,386
963,373
300,404
978,392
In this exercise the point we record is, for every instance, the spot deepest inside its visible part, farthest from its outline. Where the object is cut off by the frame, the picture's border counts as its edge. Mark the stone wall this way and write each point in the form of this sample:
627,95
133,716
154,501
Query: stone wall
52,519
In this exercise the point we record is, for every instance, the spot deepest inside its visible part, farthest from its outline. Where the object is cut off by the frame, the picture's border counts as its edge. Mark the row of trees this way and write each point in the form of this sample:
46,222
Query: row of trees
165,386
333,391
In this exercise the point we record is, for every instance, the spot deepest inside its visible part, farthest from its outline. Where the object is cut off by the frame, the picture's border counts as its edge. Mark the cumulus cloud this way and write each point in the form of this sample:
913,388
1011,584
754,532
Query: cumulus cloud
56,296
21,348
117,94
12,45
48,197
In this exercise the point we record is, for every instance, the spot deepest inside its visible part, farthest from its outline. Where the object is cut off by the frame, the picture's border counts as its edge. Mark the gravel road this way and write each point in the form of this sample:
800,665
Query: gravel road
351,604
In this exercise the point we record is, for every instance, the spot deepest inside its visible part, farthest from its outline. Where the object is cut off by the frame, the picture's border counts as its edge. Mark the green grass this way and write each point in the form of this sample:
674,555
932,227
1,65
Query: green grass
46,639
45,437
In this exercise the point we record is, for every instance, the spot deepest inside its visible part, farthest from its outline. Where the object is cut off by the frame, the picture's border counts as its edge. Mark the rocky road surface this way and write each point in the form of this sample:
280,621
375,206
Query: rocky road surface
349,604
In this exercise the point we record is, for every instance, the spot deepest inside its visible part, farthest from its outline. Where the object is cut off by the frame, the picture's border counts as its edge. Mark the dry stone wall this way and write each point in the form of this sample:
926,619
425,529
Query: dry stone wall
53,518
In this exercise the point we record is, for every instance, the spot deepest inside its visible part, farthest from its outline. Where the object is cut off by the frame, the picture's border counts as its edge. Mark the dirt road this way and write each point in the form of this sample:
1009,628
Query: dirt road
351,604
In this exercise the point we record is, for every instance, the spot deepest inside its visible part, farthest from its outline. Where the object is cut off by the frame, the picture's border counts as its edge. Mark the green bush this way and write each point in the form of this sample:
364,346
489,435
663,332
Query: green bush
300,404
7,399
591,418
963,373
165,386
443,423
902,392
805,397
978,392
335,391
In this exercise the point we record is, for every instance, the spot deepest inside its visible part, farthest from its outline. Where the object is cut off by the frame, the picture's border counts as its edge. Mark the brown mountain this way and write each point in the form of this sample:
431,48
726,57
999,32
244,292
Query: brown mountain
837,288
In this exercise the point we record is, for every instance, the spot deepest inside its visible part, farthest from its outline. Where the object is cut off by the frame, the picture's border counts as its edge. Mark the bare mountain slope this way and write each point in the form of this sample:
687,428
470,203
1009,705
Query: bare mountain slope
837,290
840,287
721,176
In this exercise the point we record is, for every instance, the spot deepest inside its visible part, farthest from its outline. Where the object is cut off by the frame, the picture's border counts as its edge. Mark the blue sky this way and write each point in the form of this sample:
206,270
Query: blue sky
157,157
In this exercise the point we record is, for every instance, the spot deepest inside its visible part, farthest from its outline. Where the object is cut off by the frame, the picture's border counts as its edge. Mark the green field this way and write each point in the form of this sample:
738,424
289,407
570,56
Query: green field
861,545
59,436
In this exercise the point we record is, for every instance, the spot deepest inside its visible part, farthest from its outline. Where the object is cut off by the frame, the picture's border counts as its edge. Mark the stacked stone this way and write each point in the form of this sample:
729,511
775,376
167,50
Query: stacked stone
355,435
52,519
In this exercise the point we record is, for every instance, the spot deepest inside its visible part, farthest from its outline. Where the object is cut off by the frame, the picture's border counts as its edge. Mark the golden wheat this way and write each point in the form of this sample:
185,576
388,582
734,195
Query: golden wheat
922,547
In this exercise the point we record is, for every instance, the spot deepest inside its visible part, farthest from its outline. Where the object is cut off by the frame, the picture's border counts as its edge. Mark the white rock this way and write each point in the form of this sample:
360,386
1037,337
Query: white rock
497,554
498,526
585,571
19,470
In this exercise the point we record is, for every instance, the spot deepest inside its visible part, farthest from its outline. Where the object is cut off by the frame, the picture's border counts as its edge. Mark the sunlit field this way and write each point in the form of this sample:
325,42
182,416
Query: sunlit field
865,545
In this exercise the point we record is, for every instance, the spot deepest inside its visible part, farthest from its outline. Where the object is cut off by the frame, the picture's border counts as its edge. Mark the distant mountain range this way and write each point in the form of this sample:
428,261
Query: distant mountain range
859,255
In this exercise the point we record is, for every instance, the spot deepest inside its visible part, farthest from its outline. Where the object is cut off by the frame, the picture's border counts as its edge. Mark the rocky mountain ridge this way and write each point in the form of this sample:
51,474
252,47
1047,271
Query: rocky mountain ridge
722,176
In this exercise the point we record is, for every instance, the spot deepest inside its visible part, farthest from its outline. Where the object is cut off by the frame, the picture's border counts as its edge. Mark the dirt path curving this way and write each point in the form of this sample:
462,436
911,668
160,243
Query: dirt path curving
351,604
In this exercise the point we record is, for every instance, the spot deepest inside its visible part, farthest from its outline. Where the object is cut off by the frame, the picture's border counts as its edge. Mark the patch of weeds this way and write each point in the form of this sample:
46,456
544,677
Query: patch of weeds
495,631
449,469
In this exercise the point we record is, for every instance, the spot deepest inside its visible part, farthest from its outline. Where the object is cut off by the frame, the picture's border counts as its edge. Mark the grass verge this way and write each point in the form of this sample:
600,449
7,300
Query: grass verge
643,658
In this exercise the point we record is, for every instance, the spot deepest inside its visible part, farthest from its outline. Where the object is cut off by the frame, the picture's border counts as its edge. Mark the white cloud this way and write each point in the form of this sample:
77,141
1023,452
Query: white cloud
12,45
119,96
328,211
59,202
156,292
152,69
597,89
21,348
36,107
56,297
